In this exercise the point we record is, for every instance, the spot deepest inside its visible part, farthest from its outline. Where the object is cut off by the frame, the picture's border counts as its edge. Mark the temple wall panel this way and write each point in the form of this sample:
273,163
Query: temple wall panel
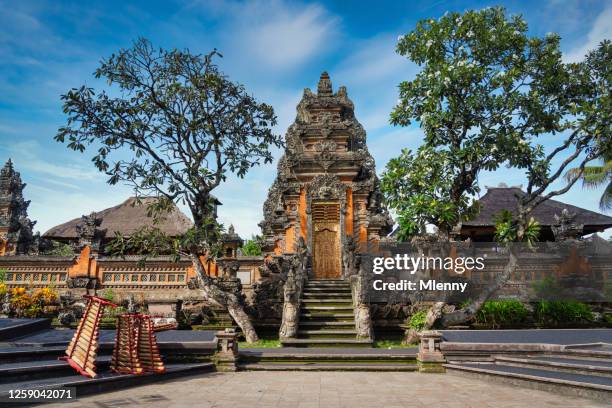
349,212
302,213
290,239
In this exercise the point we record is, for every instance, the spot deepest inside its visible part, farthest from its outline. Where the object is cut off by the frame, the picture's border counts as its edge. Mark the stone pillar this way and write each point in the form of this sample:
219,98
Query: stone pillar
430,357
226,355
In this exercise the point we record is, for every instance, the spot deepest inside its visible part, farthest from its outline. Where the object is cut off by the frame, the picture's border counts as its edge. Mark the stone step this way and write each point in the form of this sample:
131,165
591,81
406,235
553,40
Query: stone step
16,354
598,352
326,292
328,317
106,381
308,301
331,342
318,325
14,328
322,281
339,285
326,367
566,383
326,334
315,355
33,370
311,308
328,295
579,366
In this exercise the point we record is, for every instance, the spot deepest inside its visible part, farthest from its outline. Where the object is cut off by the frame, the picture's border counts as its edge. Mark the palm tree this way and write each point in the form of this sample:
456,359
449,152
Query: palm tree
597,176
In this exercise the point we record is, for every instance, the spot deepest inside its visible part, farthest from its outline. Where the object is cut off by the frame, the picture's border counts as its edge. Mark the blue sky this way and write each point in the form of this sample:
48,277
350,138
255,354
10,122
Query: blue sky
276,48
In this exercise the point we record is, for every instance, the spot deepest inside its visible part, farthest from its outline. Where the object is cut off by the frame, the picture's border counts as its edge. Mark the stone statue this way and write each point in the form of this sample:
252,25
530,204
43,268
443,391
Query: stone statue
6,305
292,291
565,227
131,305
89,234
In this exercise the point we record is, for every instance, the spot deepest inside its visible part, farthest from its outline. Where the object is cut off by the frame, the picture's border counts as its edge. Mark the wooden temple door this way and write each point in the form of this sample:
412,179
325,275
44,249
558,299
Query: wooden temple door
327,263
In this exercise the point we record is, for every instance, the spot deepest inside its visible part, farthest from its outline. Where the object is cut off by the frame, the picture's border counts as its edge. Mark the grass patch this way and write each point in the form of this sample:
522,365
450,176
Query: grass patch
261,343
392,344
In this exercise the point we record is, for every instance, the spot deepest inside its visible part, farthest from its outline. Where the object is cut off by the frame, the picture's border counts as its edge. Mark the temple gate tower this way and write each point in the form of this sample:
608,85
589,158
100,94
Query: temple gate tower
326,190
15,226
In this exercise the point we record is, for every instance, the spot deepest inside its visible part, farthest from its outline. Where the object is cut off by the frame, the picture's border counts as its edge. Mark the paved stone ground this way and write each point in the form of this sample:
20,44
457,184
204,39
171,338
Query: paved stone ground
328,389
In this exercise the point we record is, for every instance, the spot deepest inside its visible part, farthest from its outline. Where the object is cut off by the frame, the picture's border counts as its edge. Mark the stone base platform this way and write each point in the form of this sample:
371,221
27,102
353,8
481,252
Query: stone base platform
328,359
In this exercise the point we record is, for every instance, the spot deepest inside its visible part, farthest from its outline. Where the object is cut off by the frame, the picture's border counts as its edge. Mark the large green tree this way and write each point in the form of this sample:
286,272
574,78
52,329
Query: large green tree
485,94
172,126
484,91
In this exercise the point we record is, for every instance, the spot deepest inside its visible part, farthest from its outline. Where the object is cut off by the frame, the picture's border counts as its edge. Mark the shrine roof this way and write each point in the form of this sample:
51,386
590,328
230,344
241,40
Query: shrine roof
497,199
126,218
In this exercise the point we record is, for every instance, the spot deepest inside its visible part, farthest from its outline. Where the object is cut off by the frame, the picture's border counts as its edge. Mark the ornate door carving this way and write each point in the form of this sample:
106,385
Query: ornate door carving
326,240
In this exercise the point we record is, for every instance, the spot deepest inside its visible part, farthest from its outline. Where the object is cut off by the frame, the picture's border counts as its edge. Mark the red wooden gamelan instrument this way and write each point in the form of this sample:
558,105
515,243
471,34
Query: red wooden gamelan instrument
83,348
136,350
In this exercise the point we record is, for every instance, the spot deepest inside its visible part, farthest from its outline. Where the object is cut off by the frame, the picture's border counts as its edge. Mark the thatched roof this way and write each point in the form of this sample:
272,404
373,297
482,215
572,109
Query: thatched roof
125,218
504,198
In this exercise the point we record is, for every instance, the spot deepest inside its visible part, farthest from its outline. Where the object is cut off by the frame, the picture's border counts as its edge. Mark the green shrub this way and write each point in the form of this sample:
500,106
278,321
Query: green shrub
251,247
108,294
2,274
548,289
556,312
498,313
417,320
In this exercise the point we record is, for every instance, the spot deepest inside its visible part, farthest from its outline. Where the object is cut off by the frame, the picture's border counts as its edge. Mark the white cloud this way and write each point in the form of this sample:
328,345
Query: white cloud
270,34
600,30
372,73
29,156
291,37
388,143
374,60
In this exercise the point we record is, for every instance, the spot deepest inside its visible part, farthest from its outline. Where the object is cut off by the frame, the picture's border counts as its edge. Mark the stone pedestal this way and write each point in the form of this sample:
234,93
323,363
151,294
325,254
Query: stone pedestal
430,358
226,356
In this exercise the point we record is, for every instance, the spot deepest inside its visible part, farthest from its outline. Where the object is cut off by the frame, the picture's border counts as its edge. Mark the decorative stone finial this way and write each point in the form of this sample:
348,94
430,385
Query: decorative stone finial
325,86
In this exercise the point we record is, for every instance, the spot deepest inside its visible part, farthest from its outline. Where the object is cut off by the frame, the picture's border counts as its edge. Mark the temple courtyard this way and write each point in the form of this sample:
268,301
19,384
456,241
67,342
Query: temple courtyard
329,389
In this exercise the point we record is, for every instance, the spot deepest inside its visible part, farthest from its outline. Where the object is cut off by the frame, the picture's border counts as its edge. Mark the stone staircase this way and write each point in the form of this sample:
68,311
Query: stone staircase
326,317
582,372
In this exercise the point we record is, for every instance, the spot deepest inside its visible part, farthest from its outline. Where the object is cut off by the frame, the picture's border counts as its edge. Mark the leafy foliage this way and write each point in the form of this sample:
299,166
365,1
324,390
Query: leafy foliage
557,312
25,304
502,313
548,289
109,295
417,320
417,186
506,229
485,89
485,93
597,176
58,249
175,126
251,247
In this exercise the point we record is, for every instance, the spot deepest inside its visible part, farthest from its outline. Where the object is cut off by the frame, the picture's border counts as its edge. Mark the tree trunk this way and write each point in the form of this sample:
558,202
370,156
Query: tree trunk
469,312
214,294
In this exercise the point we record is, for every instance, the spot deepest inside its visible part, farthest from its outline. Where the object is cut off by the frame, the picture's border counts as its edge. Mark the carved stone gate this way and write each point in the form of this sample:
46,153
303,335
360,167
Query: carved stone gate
326,190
